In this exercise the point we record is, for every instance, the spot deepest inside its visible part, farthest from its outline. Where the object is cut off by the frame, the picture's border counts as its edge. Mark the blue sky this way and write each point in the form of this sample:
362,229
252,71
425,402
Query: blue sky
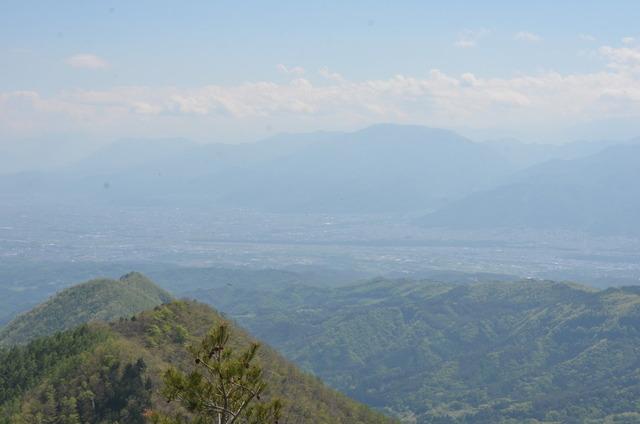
232,71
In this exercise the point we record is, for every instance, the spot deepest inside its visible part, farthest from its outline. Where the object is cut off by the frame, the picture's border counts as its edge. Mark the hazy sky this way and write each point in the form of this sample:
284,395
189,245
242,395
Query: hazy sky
232,71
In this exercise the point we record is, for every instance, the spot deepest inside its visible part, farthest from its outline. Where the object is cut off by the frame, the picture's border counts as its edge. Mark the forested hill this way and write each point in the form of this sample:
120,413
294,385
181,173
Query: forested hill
509,352
111,373
101,299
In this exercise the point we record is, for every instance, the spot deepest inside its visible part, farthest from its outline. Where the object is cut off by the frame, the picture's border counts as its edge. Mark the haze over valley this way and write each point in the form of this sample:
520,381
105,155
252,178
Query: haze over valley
295,202
319,212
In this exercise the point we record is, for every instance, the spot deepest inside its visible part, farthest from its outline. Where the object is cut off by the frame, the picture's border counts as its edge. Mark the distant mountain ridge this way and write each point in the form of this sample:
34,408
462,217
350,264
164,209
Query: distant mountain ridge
384,168
524,155
380,168
598,193
95,300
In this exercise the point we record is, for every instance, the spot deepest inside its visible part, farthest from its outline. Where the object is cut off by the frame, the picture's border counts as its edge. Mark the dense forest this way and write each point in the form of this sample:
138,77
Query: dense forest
111,372
526,351
427,352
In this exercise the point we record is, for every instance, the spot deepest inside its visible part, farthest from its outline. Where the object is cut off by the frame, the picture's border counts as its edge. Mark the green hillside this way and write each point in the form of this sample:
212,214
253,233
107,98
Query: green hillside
111,373
528,351
96,300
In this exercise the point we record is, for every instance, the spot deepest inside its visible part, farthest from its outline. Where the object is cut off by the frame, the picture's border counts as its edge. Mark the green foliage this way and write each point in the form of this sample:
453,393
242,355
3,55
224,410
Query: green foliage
165,328
305,398
110,373
528,351
73,377
23,367
223,388
96,300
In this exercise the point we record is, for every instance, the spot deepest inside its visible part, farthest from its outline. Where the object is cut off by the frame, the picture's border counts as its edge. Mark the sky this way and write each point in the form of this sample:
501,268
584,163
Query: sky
229,71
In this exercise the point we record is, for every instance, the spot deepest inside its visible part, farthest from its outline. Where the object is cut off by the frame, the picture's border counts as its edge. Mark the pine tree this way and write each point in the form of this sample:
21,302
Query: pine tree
69,411
223,388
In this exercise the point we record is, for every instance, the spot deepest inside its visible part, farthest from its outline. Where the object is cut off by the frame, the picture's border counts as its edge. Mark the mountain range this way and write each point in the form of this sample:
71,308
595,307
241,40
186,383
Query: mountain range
455,182
379,169
597,193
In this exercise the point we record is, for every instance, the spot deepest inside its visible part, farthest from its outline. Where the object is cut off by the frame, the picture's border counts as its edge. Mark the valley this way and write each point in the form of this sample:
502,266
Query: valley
88,241
329,212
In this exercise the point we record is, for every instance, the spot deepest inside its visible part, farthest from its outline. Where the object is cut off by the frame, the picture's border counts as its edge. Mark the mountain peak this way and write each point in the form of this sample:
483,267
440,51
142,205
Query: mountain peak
409,131
133,276
100,299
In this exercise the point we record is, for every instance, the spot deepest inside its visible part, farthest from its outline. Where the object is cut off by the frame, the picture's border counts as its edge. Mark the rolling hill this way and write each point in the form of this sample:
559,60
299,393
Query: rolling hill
96,300
504,352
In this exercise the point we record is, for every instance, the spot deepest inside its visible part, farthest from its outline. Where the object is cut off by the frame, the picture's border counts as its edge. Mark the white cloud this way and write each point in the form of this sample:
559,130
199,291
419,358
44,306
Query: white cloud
621,58
527,36
87,61
332,76
628,40
294,70
587,37
470,38
524,102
